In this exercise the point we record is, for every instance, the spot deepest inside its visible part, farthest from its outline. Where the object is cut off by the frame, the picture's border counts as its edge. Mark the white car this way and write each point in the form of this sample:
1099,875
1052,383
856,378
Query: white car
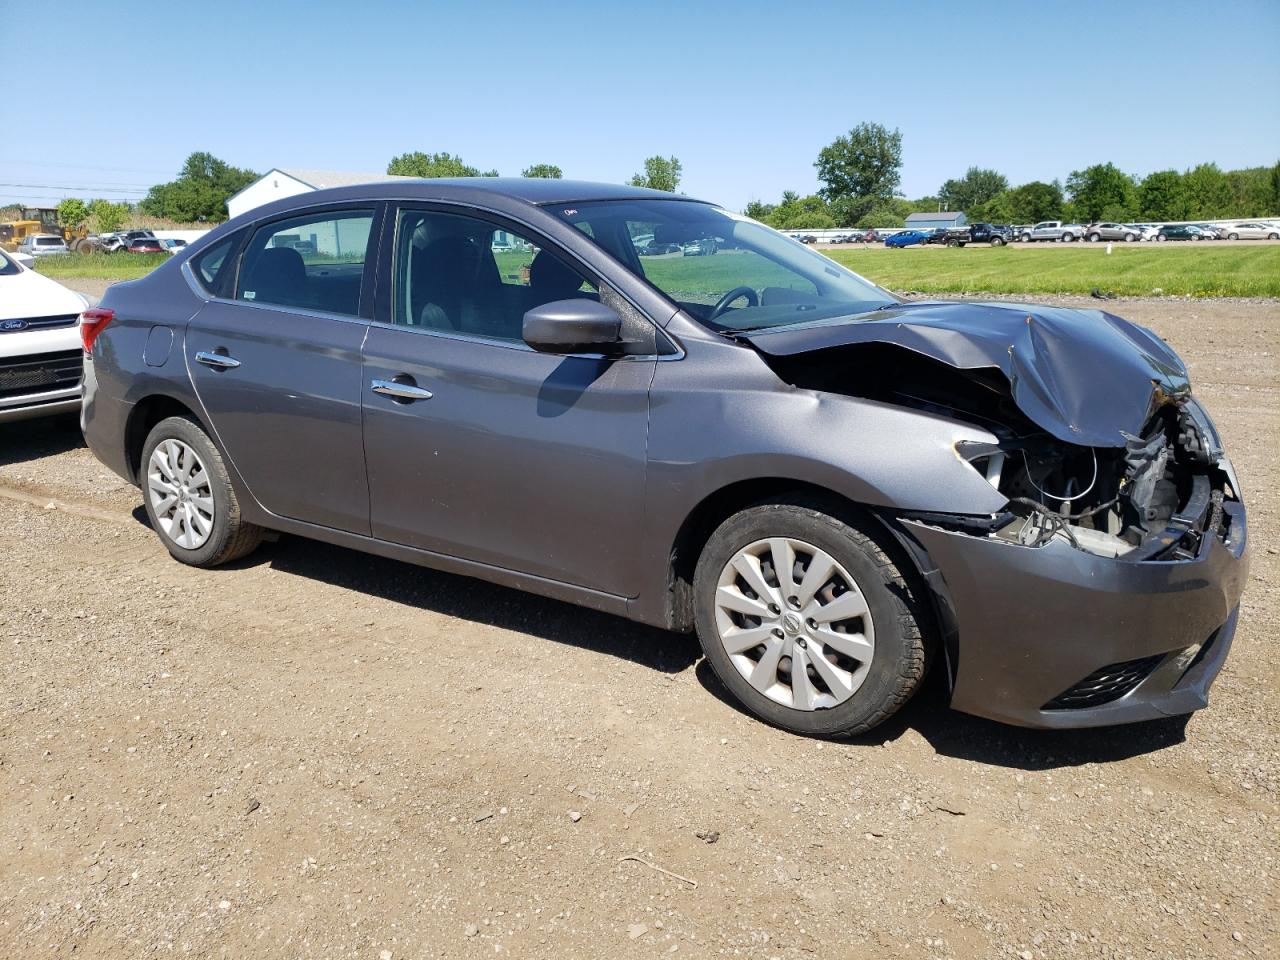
1251,231
42,245
41,356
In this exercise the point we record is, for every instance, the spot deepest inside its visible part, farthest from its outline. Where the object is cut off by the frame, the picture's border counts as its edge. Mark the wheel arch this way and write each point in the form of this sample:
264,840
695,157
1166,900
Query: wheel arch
717,506
146,413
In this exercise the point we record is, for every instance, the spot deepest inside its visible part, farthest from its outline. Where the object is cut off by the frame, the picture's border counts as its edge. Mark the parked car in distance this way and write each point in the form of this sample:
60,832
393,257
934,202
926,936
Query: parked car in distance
1181,231
807,238
1149,232
830,485
1251,230
40,349
1095,232
119,241
907,238
703,247
1052,230
145,245
42,245
976,233
174,245
1209,232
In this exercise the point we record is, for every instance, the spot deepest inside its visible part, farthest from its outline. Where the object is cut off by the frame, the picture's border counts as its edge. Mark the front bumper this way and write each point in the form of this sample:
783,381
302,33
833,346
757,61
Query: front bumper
1056,637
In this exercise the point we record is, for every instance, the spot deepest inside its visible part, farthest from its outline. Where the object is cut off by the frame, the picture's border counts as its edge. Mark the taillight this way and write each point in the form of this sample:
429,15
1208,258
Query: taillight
92,322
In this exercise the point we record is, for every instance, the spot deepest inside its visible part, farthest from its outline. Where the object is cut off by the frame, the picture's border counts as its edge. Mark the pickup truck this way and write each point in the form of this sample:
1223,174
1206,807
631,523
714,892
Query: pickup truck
1052,230
977,233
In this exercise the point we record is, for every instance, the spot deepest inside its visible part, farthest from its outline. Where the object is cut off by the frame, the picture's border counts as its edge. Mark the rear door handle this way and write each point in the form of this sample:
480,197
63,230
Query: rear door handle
407,392
219,361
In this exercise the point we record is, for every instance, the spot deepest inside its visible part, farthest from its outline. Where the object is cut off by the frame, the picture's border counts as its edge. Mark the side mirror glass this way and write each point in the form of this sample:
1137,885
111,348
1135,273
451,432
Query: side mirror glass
573,326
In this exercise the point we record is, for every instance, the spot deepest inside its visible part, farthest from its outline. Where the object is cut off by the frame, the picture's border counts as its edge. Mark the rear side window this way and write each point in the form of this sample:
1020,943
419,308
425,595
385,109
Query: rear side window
213,267
309,263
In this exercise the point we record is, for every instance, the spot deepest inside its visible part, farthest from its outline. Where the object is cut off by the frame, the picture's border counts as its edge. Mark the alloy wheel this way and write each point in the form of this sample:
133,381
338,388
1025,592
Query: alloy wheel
794,623
181,495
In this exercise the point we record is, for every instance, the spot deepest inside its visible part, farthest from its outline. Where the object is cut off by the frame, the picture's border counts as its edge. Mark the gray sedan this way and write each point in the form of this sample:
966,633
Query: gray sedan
1112,231
834,488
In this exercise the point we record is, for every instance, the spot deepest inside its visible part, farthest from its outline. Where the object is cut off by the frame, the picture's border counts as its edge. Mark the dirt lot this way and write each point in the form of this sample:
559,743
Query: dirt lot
320,754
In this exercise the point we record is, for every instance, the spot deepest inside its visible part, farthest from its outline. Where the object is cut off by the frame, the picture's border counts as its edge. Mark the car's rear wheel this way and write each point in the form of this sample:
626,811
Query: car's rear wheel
1161,237
189,498
997,241
807,620
1273,236
1130,237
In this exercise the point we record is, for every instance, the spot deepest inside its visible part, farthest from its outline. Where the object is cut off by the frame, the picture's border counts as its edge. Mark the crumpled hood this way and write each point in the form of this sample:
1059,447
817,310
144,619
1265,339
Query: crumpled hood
1085,376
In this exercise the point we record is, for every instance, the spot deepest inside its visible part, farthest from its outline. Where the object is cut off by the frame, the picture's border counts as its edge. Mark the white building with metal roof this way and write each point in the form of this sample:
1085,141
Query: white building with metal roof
277,183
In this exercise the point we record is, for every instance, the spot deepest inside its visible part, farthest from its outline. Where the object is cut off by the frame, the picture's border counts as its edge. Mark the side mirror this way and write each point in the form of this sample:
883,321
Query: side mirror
573,326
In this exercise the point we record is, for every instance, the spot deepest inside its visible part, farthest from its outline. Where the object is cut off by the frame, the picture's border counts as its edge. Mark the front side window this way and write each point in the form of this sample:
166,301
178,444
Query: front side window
465,275
309,263
725,270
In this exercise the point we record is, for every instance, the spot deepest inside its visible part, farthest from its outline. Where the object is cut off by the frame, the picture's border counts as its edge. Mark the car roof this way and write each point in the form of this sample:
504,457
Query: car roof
534,190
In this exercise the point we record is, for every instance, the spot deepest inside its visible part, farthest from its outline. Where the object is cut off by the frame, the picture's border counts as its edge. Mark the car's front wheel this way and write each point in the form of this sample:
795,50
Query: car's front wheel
189,498
807,620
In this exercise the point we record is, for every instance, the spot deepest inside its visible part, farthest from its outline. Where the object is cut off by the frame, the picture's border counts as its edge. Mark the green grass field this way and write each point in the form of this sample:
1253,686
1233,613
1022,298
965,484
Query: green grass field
1236,270
1139,270
100,266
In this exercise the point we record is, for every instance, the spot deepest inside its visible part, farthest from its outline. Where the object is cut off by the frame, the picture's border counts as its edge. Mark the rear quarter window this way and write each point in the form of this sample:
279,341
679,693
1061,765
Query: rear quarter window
215,267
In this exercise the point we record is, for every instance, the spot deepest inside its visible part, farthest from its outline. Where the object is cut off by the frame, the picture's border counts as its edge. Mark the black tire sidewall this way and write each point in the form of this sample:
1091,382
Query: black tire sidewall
882,685
190,433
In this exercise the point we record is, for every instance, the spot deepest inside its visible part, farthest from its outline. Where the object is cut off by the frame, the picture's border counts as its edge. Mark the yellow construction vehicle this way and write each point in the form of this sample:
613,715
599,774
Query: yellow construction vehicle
41,220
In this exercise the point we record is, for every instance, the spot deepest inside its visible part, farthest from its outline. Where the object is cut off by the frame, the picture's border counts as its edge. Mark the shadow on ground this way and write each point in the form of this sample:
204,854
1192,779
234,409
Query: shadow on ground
39,438
950,733
965,737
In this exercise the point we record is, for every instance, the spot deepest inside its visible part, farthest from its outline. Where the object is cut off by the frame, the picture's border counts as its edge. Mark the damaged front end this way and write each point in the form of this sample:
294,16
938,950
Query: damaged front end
1156,497
1106,590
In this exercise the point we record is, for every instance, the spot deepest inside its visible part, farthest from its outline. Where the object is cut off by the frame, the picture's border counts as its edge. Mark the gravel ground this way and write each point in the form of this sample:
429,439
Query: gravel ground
315,753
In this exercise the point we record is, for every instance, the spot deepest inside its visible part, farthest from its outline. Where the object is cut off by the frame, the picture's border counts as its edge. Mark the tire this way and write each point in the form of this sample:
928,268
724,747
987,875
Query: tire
1093,237
997,241
1026,238
877,687
1233,236
1068,237
1273,236
1130,237
217,535
1161,237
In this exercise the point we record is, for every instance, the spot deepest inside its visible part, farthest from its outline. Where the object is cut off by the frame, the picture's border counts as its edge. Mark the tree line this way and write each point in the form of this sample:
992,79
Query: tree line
861,171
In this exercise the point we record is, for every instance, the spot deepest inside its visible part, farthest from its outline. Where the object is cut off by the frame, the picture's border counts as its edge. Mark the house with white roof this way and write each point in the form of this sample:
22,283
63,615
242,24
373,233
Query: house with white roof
278,183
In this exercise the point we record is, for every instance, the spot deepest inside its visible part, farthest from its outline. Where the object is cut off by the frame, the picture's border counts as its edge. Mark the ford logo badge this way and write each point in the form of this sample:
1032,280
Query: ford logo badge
10,326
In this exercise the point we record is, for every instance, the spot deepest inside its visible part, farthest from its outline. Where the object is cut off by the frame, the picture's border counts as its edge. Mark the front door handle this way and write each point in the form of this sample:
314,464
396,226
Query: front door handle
219,361
396,390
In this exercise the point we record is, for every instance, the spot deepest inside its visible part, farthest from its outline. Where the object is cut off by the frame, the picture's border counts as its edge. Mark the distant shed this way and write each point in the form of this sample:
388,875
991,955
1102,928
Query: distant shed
930,221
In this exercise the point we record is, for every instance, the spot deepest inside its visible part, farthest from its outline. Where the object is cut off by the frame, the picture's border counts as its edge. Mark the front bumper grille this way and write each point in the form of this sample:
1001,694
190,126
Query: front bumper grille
1105,685
50,323
40,373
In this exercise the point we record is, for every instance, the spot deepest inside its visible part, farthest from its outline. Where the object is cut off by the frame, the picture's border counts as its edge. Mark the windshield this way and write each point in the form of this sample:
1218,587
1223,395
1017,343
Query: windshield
725,270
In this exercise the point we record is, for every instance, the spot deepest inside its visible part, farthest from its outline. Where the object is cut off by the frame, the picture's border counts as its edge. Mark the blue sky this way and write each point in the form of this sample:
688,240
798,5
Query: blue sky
744,93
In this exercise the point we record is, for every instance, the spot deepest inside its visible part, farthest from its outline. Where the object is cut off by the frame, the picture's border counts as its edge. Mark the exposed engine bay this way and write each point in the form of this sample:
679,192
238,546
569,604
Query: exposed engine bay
1152,496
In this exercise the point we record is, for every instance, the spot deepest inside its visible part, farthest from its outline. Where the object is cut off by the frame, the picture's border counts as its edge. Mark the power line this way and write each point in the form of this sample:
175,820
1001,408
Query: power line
138,191
81,166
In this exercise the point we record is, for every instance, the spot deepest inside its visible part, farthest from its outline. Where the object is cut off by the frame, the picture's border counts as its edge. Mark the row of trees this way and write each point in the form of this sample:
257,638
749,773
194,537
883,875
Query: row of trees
101,216
861,171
